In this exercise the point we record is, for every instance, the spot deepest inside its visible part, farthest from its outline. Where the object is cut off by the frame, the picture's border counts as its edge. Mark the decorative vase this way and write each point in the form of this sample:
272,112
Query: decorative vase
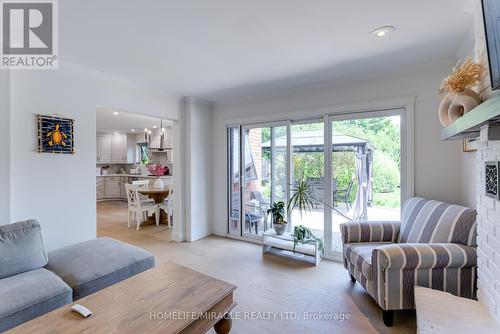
455,105
279,228
158,184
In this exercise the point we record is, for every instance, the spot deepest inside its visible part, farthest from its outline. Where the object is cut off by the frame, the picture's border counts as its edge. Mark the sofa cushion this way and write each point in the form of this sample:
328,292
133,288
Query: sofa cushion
360,255
429,221
93,265
21,248
30,294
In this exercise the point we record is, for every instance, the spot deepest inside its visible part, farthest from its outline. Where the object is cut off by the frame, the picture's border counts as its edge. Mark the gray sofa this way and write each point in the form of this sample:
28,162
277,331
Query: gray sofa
33,282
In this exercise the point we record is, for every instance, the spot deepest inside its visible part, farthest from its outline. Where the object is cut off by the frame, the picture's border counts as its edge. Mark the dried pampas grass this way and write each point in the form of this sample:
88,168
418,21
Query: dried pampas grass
463,77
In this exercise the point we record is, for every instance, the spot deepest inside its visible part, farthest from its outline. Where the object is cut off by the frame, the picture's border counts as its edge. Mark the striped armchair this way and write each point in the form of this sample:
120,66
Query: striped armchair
433,246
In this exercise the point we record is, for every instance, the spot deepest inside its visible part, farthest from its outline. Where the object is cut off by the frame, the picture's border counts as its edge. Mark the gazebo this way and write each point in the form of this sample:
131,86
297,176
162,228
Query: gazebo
313,141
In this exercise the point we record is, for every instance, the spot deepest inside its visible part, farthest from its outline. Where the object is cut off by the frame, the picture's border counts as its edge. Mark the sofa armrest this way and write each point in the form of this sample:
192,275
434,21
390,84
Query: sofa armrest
424,256
373,231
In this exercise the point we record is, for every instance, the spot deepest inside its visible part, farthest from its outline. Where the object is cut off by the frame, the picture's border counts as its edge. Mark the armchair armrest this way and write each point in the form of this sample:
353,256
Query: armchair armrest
424,256
373,231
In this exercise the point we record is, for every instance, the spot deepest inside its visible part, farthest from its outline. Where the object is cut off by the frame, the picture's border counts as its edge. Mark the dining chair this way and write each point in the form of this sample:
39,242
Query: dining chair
143,184
168,206
137,207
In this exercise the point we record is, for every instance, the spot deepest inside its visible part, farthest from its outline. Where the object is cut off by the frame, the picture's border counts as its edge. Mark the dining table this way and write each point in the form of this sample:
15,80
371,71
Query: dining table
158,195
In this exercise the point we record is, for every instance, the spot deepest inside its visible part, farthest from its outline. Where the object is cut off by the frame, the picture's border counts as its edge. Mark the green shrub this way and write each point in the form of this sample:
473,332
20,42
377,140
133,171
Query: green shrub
385,173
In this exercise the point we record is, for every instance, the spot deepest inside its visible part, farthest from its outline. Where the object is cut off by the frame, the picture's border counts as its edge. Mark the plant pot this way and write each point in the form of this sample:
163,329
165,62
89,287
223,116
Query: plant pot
158,184
279,228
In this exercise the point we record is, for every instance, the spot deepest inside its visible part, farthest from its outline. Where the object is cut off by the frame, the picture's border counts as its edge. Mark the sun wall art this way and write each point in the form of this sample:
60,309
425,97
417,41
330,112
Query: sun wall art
55,134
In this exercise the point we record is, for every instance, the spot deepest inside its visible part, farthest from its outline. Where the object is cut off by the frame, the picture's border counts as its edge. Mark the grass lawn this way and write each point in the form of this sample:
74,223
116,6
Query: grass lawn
387,200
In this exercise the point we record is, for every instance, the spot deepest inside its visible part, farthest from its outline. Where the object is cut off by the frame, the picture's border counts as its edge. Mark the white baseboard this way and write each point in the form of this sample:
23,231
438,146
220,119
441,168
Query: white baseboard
178,236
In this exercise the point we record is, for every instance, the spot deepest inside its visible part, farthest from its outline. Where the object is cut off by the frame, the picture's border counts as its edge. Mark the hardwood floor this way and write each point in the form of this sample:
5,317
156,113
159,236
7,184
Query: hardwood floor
265,283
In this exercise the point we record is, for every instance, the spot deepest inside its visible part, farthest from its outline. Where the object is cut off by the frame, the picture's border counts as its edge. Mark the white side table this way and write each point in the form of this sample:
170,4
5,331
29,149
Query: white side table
441,312
282,245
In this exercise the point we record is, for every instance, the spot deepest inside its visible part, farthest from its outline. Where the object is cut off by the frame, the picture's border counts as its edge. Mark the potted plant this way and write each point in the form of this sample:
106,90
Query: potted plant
277,210
303,199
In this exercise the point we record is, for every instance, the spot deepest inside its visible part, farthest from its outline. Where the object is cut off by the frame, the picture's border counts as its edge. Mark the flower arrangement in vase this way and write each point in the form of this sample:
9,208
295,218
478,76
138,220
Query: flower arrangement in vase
157,170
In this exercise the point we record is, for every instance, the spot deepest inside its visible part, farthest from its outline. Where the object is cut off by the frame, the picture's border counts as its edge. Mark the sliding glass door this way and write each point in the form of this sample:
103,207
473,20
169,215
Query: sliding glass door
264,160
351,163
365,173
308,167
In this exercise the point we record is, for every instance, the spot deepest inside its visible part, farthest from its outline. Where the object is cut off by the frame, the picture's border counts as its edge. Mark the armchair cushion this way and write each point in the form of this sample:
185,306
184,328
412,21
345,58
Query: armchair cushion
373,231
425,256
397,268
430,221
360,255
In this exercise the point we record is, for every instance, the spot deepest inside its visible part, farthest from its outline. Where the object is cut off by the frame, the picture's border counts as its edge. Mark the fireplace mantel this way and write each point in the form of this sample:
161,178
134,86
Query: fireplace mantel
469,125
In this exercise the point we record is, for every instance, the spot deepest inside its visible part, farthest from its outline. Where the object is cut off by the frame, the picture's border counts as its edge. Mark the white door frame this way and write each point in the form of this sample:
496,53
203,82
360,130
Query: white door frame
407,154
287,124
404,103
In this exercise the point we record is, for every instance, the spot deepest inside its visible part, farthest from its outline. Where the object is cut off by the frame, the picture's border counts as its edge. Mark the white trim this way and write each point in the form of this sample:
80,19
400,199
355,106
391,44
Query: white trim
406,108
408,151
251,240
289,169
178,236
328,193
178,229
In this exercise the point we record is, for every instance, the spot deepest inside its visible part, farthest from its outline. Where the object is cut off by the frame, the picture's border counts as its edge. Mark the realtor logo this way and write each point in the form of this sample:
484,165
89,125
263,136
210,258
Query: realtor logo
29,34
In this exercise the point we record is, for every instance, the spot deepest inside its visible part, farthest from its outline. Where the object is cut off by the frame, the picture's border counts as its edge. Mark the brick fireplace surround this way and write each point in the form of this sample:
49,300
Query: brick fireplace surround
488,238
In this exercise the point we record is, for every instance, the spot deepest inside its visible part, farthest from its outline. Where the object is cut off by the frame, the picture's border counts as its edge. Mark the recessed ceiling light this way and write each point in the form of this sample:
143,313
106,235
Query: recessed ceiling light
116,132
133,130
382,32
155,126
115,113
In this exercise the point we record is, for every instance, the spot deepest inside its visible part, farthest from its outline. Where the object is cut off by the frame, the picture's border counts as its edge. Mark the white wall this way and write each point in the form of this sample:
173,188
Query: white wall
437,163
474,46
5,143
59,190
198,167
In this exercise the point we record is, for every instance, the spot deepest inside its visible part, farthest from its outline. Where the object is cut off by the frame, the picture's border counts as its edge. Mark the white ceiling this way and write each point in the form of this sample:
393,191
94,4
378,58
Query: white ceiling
124,122
224,48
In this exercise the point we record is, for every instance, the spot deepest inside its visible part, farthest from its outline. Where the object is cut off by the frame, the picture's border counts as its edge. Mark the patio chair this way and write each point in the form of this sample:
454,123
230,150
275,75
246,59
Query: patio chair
254,216
317,190
342,195
255,213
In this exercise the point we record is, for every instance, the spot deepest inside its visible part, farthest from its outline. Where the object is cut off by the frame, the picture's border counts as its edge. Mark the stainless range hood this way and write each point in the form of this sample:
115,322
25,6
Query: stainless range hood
469,125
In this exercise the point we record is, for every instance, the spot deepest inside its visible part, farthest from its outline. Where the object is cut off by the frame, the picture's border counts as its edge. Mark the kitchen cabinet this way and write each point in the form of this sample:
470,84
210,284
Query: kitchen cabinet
168,138
123,191
154,141
156,137
112,187
103,148
100,188
118,148
114,149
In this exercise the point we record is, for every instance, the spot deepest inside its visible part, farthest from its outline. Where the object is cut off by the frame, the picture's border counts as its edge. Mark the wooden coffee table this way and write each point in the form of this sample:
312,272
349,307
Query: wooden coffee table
166,299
